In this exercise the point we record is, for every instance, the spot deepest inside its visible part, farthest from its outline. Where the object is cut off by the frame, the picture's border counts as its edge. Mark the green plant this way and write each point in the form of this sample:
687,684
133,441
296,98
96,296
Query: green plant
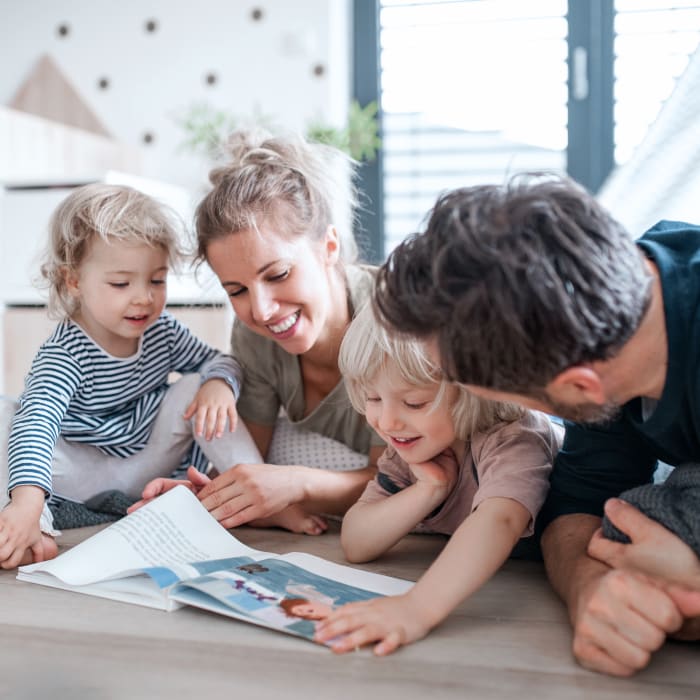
206,129
360,137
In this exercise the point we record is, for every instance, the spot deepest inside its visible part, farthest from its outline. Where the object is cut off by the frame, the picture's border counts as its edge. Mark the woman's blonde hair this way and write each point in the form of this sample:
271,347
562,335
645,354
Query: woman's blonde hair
299,186
368,349
112,212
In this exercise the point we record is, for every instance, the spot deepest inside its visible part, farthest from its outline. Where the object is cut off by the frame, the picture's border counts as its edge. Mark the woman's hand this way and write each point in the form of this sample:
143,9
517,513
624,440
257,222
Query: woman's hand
195,482
391,621
251,491
211,406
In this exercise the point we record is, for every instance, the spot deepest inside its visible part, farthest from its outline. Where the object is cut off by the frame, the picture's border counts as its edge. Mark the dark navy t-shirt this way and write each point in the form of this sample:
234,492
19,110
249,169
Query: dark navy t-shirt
597,463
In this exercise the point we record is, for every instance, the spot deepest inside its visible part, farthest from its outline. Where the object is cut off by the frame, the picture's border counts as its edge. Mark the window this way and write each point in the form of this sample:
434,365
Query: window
475,90
653,43
471,91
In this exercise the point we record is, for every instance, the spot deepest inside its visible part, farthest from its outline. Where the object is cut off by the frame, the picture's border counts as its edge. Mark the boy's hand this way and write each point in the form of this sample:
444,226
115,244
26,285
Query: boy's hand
440,472
195,482
391,621
19,526
211,406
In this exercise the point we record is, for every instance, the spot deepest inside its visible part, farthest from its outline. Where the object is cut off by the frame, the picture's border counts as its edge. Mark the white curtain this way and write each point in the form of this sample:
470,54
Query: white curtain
662,179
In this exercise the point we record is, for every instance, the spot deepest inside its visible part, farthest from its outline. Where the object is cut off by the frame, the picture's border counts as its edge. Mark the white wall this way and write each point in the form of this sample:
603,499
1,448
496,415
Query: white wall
266,65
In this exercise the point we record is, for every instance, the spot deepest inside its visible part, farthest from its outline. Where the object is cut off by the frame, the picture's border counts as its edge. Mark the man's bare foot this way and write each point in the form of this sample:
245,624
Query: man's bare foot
50,551
296,519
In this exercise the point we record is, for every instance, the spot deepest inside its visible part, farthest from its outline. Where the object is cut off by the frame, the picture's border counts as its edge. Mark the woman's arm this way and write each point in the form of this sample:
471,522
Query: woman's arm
486,538
252,491
262,436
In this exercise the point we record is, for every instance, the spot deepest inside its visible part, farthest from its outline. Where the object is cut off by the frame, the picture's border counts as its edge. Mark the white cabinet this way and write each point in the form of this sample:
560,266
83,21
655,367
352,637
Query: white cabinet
24,217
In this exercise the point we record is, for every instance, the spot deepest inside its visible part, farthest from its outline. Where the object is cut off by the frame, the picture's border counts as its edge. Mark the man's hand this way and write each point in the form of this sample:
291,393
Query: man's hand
620,619
657,552
620,616
654,550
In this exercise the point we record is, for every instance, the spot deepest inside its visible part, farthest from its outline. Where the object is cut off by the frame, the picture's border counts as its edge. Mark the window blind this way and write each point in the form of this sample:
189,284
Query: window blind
472,91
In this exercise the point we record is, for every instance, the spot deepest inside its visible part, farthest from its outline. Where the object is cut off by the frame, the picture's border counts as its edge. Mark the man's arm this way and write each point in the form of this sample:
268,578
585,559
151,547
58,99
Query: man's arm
619,617
657,552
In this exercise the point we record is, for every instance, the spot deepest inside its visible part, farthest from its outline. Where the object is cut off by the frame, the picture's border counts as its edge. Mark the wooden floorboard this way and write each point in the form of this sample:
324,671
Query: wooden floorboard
510,640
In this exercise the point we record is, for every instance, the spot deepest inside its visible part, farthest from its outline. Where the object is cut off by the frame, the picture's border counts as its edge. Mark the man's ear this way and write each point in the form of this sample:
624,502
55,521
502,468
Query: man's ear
332,245
578,384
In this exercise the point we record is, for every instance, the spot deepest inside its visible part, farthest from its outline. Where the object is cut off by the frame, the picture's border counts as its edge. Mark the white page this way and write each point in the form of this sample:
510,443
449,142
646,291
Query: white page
175,528
378,583
137,590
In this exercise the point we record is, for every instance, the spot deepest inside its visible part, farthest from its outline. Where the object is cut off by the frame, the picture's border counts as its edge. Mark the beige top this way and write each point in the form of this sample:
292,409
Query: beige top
511,460
272,379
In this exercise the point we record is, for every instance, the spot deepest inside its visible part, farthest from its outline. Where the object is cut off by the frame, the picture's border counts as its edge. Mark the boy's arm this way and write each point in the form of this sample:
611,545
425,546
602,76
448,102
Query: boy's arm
370,529
380,519
486,537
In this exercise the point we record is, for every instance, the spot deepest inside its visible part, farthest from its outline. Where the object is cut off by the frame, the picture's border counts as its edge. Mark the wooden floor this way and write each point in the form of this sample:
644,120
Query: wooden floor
511,640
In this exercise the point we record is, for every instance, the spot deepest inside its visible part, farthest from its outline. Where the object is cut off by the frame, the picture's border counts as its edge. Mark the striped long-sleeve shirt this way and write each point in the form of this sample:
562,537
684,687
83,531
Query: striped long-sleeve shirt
77,390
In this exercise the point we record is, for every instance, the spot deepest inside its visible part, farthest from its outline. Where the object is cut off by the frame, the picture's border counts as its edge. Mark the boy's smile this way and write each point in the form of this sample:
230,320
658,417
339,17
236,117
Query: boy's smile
409,417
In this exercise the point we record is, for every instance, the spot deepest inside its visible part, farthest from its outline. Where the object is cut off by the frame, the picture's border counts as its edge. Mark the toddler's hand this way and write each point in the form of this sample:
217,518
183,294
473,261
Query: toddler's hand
441,471
392,621
19,532
195,482
212,405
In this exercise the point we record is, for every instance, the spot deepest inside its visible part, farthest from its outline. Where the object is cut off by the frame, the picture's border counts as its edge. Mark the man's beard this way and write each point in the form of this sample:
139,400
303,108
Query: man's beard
586,413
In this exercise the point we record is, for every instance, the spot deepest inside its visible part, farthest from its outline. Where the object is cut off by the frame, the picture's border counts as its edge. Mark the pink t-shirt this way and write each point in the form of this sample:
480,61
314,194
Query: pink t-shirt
510,460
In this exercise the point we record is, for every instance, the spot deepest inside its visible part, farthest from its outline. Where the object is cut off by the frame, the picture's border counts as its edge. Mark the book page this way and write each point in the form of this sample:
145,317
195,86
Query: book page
173,529
270,592
349,575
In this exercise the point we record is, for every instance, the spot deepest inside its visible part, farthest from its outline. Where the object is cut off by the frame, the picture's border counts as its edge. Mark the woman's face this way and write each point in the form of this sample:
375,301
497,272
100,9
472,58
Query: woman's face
279,286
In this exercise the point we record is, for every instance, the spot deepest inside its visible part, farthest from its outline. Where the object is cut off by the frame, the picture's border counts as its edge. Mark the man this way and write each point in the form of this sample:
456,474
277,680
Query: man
531,292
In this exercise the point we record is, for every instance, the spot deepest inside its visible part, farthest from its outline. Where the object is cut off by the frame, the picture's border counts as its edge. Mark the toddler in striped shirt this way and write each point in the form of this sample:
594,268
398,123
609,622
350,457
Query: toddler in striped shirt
97,412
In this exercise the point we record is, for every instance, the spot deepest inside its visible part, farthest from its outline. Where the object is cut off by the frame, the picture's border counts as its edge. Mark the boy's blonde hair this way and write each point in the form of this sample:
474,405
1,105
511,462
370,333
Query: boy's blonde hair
112,212
368,349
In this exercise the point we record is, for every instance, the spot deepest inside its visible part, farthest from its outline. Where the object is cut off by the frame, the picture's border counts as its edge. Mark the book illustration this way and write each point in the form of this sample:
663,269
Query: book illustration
270,592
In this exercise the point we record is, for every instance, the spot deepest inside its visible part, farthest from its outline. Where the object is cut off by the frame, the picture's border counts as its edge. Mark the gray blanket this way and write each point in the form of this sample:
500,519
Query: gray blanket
103,508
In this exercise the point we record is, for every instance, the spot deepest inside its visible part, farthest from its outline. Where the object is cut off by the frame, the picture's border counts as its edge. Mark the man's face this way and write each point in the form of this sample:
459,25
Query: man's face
547,400
583,412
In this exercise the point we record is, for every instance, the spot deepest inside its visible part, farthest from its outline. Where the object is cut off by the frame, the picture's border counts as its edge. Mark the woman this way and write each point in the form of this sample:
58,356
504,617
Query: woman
270,230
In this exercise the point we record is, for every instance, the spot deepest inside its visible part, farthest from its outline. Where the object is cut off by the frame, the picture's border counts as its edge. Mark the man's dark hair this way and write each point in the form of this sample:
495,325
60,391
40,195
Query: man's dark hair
517,282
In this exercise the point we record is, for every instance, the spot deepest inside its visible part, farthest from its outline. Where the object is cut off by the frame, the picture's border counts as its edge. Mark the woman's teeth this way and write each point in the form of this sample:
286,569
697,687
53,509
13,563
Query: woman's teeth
286,324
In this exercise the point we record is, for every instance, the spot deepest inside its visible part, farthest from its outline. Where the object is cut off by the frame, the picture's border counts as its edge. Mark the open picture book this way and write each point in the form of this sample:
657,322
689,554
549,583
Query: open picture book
172,552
